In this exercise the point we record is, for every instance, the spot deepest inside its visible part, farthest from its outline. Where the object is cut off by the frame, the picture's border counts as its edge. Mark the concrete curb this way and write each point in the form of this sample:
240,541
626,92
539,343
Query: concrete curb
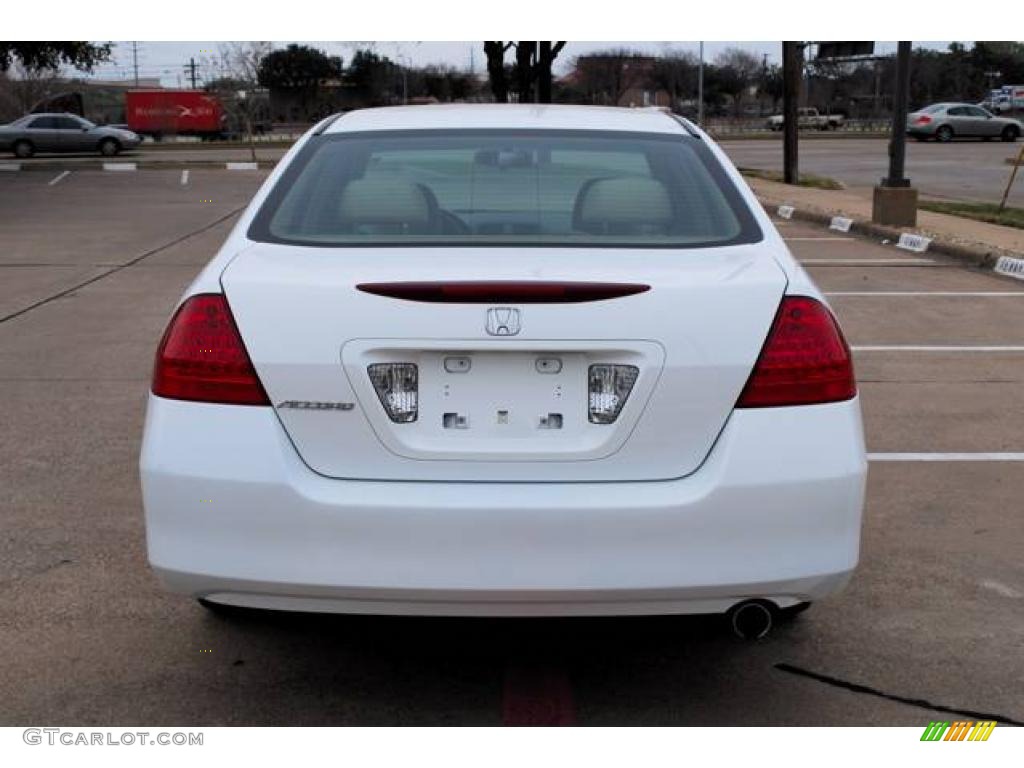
984,257
141,165
809,135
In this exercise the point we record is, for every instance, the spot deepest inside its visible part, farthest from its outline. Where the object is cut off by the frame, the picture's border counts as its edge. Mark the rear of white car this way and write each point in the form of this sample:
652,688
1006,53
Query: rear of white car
500,360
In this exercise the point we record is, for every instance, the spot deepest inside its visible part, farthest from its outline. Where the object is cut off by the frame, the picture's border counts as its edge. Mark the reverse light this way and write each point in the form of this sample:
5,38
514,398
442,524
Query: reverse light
805,359
202,357
609,387
397,386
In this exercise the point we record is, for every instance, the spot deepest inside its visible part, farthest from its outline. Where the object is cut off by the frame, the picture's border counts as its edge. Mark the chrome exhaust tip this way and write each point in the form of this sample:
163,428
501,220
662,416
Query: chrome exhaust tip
752,619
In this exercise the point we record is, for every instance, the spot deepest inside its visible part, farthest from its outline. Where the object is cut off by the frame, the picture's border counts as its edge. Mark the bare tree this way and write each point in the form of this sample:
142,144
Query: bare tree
737,71
495,52
533,60
236,84
606,76
676,73
21,88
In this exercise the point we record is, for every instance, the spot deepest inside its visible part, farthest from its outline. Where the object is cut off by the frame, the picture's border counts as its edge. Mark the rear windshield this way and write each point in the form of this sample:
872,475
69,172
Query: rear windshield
558,188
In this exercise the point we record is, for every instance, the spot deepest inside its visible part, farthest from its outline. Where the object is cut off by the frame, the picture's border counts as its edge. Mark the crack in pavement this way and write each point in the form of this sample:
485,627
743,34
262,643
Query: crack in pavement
125,265
867,689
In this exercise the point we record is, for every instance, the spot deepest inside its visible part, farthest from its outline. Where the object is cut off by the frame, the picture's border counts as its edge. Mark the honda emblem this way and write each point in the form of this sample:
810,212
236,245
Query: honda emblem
503,321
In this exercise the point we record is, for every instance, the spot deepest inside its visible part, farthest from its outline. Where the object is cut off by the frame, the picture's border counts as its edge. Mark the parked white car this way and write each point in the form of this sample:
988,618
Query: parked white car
505,360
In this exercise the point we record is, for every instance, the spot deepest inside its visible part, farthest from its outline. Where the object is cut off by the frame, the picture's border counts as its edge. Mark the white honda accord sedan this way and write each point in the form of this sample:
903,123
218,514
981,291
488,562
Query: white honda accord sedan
504,360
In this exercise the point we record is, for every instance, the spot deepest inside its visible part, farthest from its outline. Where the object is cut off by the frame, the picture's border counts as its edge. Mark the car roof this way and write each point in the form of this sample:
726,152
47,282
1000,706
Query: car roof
518,116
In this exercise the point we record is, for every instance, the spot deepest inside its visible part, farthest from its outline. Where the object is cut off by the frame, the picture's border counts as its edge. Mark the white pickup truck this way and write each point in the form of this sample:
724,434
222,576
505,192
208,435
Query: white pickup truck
808,117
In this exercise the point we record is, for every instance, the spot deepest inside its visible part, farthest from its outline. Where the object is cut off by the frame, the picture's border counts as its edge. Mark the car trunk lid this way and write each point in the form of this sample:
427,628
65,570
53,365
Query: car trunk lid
503,379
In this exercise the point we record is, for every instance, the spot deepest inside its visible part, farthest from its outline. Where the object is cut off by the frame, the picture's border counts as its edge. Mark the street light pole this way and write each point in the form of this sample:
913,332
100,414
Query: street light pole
700,87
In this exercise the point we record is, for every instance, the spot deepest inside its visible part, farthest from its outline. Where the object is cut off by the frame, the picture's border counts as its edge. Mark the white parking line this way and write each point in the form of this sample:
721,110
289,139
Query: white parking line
870,262
924,348
120,166
58,178
911,294
946,457
184,177
830,239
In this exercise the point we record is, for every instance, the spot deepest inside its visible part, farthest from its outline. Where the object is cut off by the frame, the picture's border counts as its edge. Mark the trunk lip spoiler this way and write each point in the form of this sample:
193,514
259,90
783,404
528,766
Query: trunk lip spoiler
498,291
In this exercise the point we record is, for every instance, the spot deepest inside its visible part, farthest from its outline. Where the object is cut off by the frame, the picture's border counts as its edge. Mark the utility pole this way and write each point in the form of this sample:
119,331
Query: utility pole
191,69
791,78
700,88
135,60
895,201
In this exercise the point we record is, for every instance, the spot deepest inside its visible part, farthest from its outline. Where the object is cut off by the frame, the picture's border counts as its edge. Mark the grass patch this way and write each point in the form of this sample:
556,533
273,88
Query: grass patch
989,212
806,179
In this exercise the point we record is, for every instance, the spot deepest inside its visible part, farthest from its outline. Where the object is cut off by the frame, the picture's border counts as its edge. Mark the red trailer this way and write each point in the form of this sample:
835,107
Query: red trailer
172,112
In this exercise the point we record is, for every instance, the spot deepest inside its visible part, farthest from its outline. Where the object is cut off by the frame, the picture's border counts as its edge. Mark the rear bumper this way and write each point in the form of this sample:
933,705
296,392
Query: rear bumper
232,514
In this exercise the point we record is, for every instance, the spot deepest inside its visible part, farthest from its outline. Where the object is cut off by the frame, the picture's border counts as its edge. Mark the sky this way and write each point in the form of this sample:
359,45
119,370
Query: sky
167,60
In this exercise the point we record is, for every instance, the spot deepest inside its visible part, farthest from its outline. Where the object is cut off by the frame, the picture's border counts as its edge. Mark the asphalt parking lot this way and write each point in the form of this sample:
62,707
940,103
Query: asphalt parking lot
90,267
966,169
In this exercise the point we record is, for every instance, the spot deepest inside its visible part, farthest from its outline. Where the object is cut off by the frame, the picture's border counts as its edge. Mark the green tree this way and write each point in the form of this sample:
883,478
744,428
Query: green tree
297,68
35,55
1004,57
373,76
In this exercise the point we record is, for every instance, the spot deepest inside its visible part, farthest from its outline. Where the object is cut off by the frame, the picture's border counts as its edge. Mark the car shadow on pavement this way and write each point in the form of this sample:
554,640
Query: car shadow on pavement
412,670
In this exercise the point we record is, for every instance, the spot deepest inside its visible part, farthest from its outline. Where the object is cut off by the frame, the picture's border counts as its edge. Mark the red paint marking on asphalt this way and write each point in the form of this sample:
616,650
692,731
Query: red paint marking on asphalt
537,696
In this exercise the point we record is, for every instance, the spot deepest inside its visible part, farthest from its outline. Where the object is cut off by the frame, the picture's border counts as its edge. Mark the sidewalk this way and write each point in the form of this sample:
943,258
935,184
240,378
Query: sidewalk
959,233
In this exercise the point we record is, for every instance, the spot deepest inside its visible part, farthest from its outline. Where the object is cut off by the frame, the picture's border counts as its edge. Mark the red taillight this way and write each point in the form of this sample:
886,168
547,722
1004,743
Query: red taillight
805,359
202,357
923,120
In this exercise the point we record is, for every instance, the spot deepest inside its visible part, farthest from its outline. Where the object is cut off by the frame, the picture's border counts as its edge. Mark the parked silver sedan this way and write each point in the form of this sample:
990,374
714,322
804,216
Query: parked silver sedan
63,132
944,122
